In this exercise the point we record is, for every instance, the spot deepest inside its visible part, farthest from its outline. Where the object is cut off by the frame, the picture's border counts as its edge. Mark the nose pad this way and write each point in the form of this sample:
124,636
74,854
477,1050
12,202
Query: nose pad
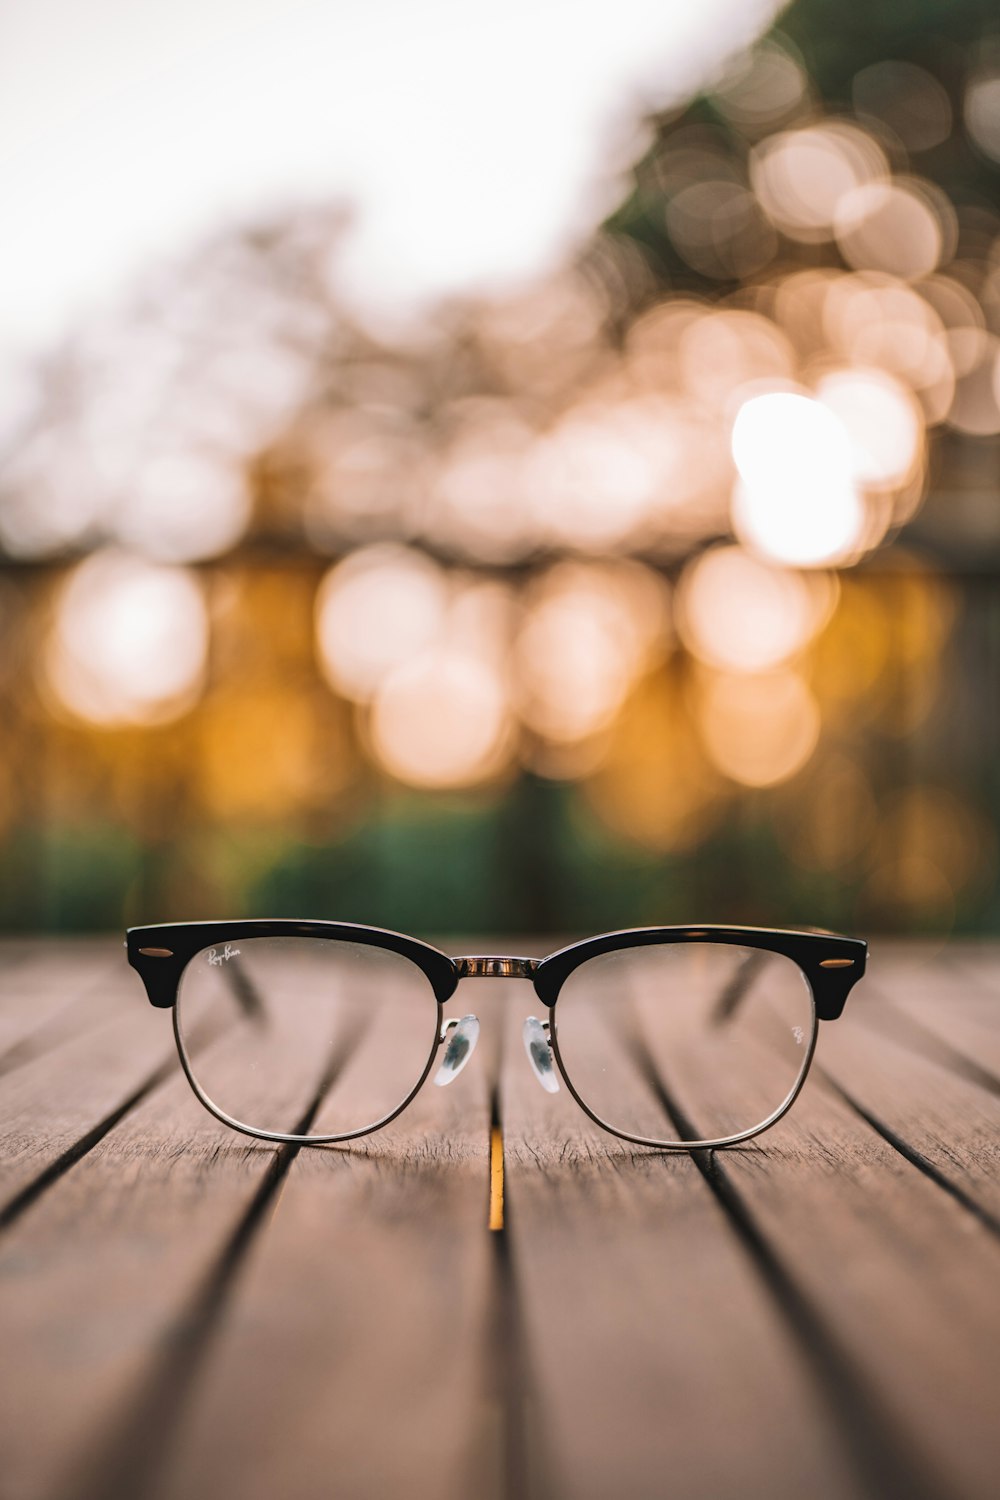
462,1038
536,1044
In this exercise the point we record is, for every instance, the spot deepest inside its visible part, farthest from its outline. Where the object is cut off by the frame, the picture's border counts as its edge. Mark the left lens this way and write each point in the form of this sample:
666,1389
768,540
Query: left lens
680,1042
305,1036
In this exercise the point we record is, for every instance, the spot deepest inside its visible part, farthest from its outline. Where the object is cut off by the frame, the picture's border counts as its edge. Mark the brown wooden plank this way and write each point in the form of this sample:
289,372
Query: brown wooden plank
653,1354
95,1278
52,990
953,995
52,1105
116,1282
354,1349
947,1119
55,1102
900,1274
193,1311
888,1280
982,961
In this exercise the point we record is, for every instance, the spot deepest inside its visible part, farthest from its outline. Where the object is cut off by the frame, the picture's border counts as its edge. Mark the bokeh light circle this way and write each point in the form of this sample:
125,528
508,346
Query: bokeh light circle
795,500
802,176
442,721
129,640
982,112
895,227
975,407
758,731
741,614
883,422
761,88
586,633
184,506
382,606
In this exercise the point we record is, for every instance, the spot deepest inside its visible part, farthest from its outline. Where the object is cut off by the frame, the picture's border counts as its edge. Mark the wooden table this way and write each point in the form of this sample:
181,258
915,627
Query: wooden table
185,1312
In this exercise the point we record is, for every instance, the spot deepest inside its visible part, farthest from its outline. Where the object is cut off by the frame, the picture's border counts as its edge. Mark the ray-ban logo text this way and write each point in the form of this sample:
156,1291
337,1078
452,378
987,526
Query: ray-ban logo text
215,957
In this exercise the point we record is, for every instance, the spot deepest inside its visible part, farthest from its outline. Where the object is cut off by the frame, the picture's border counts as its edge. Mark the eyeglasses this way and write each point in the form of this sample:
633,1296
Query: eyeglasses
319,1032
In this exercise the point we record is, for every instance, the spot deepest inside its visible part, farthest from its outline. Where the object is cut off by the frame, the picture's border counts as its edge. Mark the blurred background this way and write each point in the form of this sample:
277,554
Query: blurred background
529,470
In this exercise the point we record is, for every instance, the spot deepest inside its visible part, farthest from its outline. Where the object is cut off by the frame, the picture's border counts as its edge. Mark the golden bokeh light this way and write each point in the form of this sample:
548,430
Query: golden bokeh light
982,111
762,88
883,421
740,614
953,302
758,730
555,318
975,407
480,493
654,341
643,519
798,304
379,608
725,352
876,320
903,228
54,497
129,641
481,616
878,659
922,607
801,177
260,751
442,720
183,506
595,477
586,635
718,228
852,654
654,785
796,500
368,466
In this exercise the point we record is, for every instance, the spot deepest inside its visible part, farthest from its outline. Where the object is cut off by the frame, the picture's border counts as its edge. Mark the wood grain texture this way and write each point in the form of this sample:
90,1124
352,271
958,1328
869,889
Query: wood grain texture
914,1096
656,1357
53,1106
369,1305
52,992
186,1311
898,1276
952,998
353,1356
100,1276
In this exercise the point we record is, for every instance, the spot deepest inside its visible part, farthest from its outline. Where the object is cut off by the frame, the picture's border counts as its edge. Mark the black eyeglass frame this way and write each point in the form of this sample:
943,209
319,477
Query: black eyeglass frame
830,963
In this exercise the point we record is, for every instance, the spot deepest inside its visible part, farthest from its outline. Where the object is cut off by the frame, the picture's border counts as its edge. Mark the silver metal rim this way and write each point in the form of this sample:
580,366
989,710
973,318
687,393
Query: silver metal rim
285,1137
709,1143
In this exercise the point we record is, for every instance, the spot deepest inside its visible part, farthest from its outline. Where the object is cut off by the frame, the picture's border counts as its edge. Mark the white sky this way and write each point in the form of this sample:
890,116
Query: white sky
477,143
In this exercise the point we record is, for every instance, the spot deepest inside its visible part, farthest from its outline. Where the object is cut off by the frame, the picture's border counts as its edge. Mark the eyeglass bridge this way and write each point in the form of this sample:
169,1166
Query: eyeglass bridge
494,966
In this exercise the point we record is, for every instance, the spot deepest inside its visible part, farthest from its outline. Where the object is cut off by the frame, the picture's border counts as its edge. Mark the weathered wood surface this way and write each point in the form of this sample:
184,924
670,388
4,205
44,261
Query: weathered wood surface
187,1312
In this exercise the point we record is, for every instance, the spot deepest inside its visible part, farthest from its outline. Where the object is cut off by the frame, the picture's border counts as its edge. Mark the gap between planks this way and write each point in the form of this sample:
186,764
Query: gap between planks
916,1158
198,1324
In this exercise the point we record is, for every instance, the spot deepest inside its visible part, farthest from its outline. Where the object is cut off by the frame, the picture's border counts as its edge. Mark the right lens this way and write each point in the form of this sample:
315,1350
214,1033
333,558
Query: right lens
675,1042
306,1036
